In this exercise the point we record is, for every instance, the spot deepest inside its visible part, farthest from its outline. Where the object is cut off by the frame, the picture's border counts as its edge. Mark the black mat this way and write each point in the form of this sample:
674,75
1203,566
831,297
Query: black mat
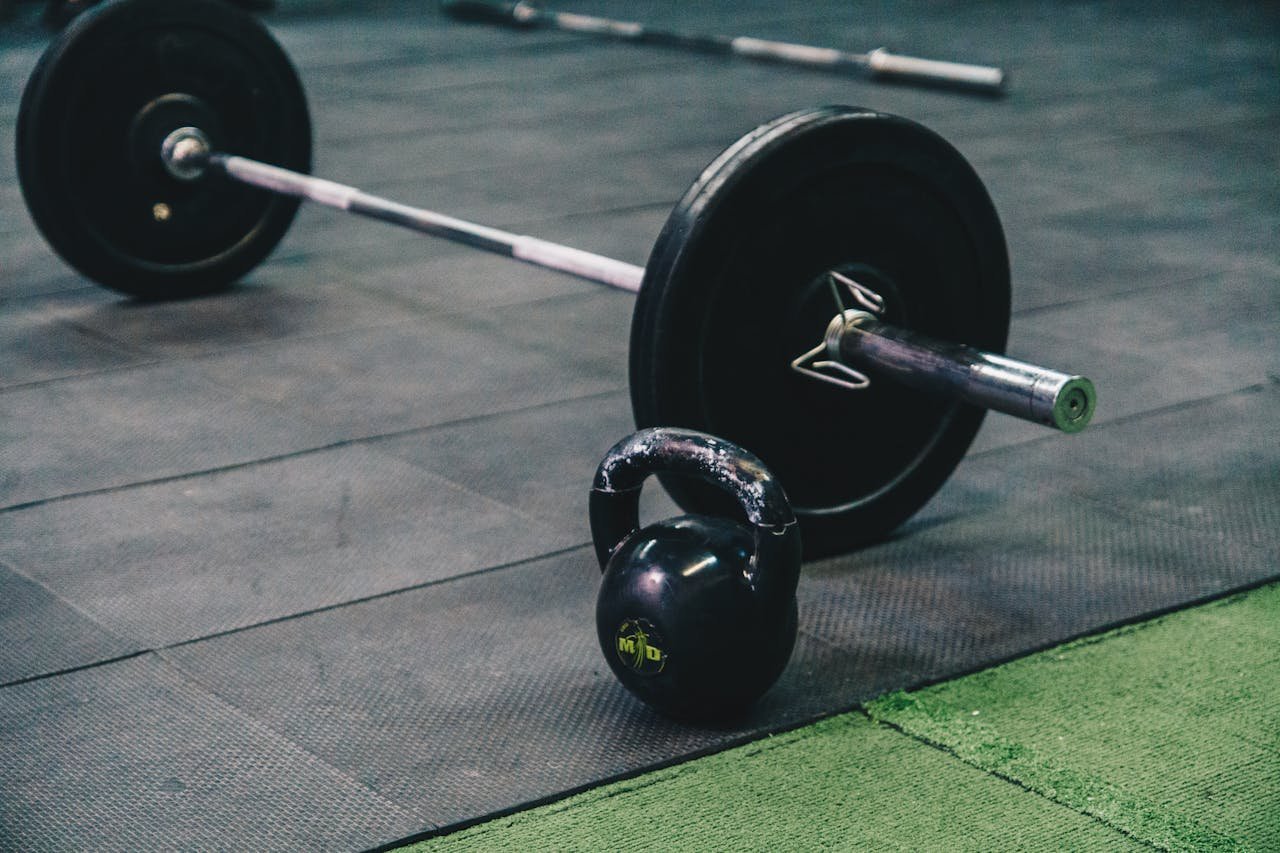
305,565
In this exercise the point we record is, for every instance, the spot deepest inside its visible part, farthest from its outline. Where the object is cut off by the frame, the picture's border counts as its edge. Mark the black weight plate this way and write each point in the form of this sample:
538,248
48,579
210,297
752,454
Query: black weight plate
735,289
95,112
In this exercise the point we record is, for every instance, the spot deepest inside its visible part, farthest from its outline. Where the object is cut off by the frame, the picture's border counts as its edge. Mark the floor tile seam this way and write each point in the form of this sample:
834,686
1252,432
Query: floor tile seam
489,83
1117,509
73,607
339,139
643,148
421,312
1108,139
512,565
1129,512
592,794
421,315
1069,218
1173,282
436,311
135,359
371,439
1099,137
538,522
672,763
126,641
147,359
405,54
85,286
1115,627
1173,82
403,811
1160,618
61,379
1216,124
71,670
102,337
478,320
1009,779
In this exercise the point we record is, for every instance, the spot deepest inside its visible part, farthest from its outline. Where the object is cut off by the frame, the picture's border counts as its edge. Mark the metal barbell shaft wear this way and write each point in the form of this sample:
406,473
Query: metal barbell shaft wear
184,153
521,247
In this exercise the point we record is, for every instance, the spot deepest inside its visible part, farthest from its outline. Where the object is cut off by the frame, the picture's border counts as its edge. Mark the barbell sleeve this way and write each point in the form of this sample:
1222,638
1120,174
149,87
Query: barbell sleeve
1060,400
886,64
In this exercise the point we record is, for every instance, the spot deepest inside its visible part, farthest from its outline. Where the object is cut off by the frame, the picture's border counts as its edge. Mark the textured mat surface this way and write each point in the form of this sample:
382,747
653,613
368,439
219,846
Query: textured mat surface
1158,735
325,534
142,755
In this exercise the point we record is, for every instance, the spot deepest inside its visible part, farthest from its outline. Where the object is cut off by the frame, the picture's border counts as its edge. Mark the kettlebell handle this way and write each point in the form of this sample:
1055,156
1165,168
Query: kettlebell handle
615,494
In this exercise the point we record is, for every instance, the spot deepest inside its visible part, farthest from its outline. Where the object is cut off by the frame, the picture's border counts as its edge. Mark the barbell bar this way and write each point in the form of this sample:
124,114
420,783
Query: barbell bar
186,153
135,149
879,62
1040,395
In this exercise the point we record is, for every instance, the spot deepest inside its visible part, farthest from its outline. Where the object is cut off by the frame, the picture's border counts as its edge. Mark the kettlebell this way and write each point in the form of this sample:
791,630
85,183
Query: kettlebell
696,614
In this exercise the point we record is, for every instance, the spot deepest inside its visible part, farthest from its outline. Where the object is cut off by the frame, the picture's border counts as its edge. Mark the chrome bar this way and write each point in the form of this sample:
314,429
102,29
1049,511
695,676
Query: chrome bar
531,250
879,62
186,154
1049,397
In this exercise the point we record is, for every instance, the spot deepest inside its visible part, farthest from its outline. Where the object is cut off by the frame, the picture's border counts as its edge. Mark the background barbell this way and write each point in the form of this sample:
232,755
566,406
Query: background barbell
879,62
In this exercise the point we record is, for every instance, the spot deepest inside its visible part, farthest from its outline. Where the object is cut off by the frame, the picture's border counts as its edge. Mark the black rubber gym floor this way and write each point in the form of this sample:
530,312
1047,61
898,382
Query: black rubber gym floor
306,565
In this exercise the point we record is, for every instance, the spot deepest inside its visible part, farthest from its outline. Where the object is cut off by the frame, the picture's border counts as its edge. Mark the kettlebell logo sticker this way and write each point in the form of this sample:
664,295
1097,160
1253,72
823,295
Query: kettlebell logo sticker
640,646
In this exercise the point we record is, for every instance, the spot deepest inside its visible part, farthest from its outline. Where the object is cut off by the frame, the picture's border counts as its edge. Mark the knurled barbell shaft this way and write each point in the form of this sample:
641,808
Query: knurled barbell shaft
531,250
1049,397
857,338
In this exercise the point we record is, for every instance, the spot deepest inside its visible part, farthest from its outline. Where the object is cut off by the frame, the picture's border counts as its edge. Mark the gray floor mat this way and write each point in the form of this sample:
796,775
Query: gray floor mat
305,565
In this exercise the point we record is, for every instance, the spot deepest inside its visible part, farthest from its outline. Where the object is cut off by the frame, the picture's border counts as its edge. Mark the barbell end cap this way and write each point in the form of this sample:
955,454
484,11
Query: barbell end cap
512,14
186,153
1074,405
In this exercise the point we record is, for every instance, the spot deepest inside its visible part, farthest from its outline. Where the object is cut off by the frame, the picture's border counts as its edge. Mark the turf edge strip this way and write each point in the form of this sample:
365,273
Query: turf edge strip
955,731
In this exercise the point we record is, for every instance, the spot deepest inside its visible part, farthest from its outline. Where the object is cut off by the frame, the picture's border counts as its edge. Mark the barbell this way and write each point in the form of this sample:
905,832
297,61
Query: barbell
523,14
832,292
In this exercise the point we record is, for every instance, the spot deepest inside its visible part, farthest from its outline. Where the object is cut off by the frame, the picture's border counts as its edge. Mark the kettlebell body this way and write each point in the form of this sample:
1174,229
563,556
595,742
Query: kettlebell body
696,615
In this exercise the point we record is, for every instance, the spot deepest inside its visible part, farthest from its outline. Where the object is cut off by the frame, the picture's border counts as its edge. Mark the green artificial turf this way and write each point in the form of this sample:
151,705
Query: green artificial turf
1168,731
845,782
1161,735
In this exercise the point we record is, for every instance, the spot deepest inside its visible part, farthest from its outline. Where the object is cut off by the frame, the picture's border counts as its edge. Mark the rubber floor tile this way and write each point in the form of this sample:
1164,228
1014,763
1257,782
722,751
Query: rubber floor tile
150,760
